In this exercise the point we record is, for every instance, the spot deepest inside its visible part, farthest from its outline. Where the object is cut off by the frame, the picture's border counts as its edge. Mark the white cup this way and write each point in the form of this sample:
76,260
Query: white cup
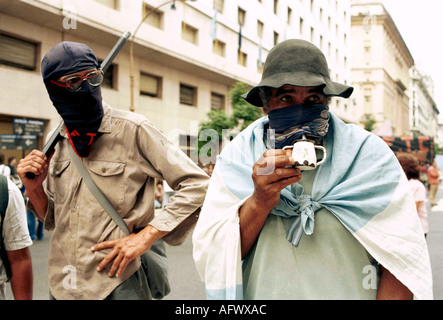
303,152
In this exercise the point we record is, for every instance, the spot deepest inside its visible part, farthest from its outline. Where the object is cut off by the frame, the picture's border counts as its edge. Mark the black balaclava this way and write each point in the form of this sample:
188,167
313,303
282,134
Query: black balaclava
82,111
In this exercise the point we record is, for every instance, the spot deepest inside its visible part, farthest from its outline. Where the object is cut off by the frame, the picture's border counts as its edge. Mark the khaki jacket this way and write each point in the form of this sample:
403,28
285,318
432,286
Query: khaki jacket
124,163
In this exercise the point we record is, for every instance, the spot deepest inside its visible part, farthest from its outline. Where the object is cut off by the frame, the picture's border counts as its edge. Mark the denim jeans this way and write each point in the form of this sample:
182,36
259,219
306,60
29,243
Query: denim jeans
33,232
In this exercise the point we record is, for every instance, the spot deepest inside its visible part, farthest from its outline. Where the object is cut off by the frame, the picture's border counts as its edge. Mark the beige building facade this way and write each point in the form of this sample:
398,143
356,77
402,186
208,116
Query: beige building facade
184,63
380,68
422,108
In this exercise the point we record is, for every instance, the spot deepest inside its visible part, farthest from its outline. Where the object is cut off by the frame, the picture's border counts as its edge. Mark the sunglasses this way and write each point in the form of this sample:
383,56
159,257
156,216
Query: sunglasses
74,83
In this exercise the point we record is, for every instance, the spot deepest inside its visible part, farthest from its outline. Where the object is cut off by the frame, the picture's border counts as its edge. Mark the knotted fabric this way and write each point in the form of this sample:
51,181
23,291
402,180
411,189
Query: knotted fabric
301,208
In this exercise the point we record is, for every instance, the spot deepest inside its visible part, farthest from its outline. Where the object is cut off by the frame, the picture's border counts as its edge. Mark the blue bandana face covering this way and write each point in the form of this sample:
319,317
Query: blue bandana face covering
292,122
82,111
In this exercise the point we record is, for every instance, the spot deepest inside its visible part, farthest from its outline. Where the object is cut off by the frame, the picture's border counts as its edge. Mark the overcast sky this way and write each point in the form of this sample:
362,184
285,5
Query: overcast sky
420,23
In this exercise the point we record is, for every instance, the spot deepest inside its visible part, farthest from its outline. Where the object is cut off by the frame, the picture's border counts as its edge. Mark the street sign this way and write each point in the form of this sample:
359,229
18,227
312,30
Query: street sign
28,127
18,142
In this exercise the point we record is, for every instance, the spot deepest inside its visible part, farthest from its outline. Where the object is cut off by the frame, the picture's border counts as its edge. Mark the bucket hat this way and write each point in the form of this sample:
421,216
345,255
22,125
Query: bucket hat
299,63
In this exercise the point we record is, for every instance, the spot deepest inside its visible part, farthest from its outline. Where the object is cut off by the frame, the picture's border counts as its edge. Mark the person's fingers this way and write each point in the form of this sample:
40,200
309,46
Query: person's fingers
123,265
268,164
116,264
104,245
109,257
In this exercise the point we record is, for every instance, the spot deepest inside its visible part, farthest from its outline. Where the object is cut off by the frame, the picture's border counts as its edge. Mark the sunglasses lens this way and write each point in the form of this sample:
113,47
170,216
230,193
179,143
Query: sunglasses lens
73,84
95,78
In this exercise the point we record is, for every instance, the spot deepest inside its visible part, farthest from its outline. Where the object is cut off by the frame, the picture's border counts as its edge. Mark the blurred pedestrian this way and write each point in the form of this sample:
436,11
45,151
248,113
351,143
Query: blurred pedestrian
12,161
14,176
16,240
35,226
434,181
424,175
4,169
158,194
411,167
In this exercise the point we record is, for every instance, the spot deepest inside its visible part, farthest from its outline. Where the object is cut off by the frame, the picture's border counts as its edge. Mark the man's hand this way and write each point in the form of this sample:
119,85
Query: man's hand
127,249
36,162
271,174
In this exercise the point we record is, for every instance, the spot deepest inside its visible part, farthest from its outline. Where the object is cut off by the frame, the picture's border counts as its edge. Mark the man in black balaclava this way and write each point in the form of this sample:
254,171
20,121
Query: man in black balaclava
71,76
89,256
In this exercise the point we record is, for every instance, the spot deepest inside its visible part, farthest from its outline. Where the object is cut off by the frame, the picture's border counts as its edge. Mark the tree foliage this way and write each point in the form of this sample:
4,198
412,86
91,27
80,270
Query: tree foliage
243,115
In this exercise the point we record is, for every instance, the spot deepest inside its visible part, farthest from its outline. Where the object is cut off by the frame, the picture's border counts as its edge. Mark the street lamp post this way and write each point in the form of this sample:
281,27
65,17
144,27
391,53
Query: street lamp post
131,47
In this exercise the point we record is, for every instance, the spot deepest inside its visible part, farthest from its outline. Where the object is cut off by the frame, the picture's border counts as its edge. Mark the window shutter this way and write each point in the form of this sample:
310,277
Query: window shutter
186,95
17,53
217,101
149,85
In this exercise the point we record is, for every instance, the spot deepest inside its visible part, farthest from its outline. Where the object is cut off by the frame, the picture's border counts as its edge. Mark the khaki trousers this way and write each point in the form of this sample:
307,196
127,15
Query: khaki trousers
432,192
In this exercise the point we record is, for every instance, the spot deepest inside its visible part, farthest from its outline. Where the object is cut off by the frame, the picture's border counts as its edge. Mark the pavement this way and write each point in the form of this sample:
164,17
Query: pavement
185,282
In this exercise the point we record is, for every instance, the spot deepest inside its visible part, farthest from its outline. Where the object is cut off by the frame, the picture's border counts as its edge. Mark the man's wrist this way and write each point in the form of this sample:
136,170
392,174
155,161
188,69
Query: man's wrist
152,234
37,193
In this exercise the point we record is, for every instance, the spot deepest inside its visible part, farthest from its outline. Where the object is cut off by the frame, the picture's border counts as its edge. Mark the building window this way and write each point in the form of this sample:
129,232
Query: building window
155,18
189,33
275,6
367,96
188,95
217,101
218,4
109,3
150,85
259,66
289,16
241,58
109,78
260,27
275,38
241,16
218,47
301,26
17,53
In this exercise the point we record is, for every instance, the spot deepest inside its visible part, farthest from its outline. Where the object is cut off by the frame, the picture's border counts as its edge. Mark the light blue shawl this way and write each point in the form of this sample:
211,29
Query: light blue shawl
361,183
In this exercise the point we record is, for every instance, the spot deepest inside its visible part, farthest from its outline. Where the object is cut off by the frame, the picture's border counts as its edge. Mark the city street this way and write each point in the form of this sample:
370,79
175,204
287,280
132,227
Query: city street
184,280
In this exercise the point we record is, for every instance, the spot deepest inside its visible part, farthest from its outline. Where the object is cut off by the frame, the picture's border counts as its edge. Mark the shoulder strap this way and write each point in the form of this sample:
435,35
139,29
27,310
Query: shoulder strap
4,199
98,194
3,194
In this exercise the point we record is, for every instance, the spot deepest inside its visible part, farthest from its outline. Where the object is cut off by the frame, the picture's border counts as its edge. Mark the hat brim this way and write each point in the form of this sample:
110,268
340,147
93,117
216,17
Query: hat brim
301,79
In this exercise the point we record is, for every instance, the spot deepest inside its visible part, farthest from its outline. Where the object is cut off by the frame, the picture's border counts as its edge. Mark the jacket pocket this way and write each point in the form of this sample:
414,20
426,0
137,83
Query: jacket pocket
60,184
109,177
